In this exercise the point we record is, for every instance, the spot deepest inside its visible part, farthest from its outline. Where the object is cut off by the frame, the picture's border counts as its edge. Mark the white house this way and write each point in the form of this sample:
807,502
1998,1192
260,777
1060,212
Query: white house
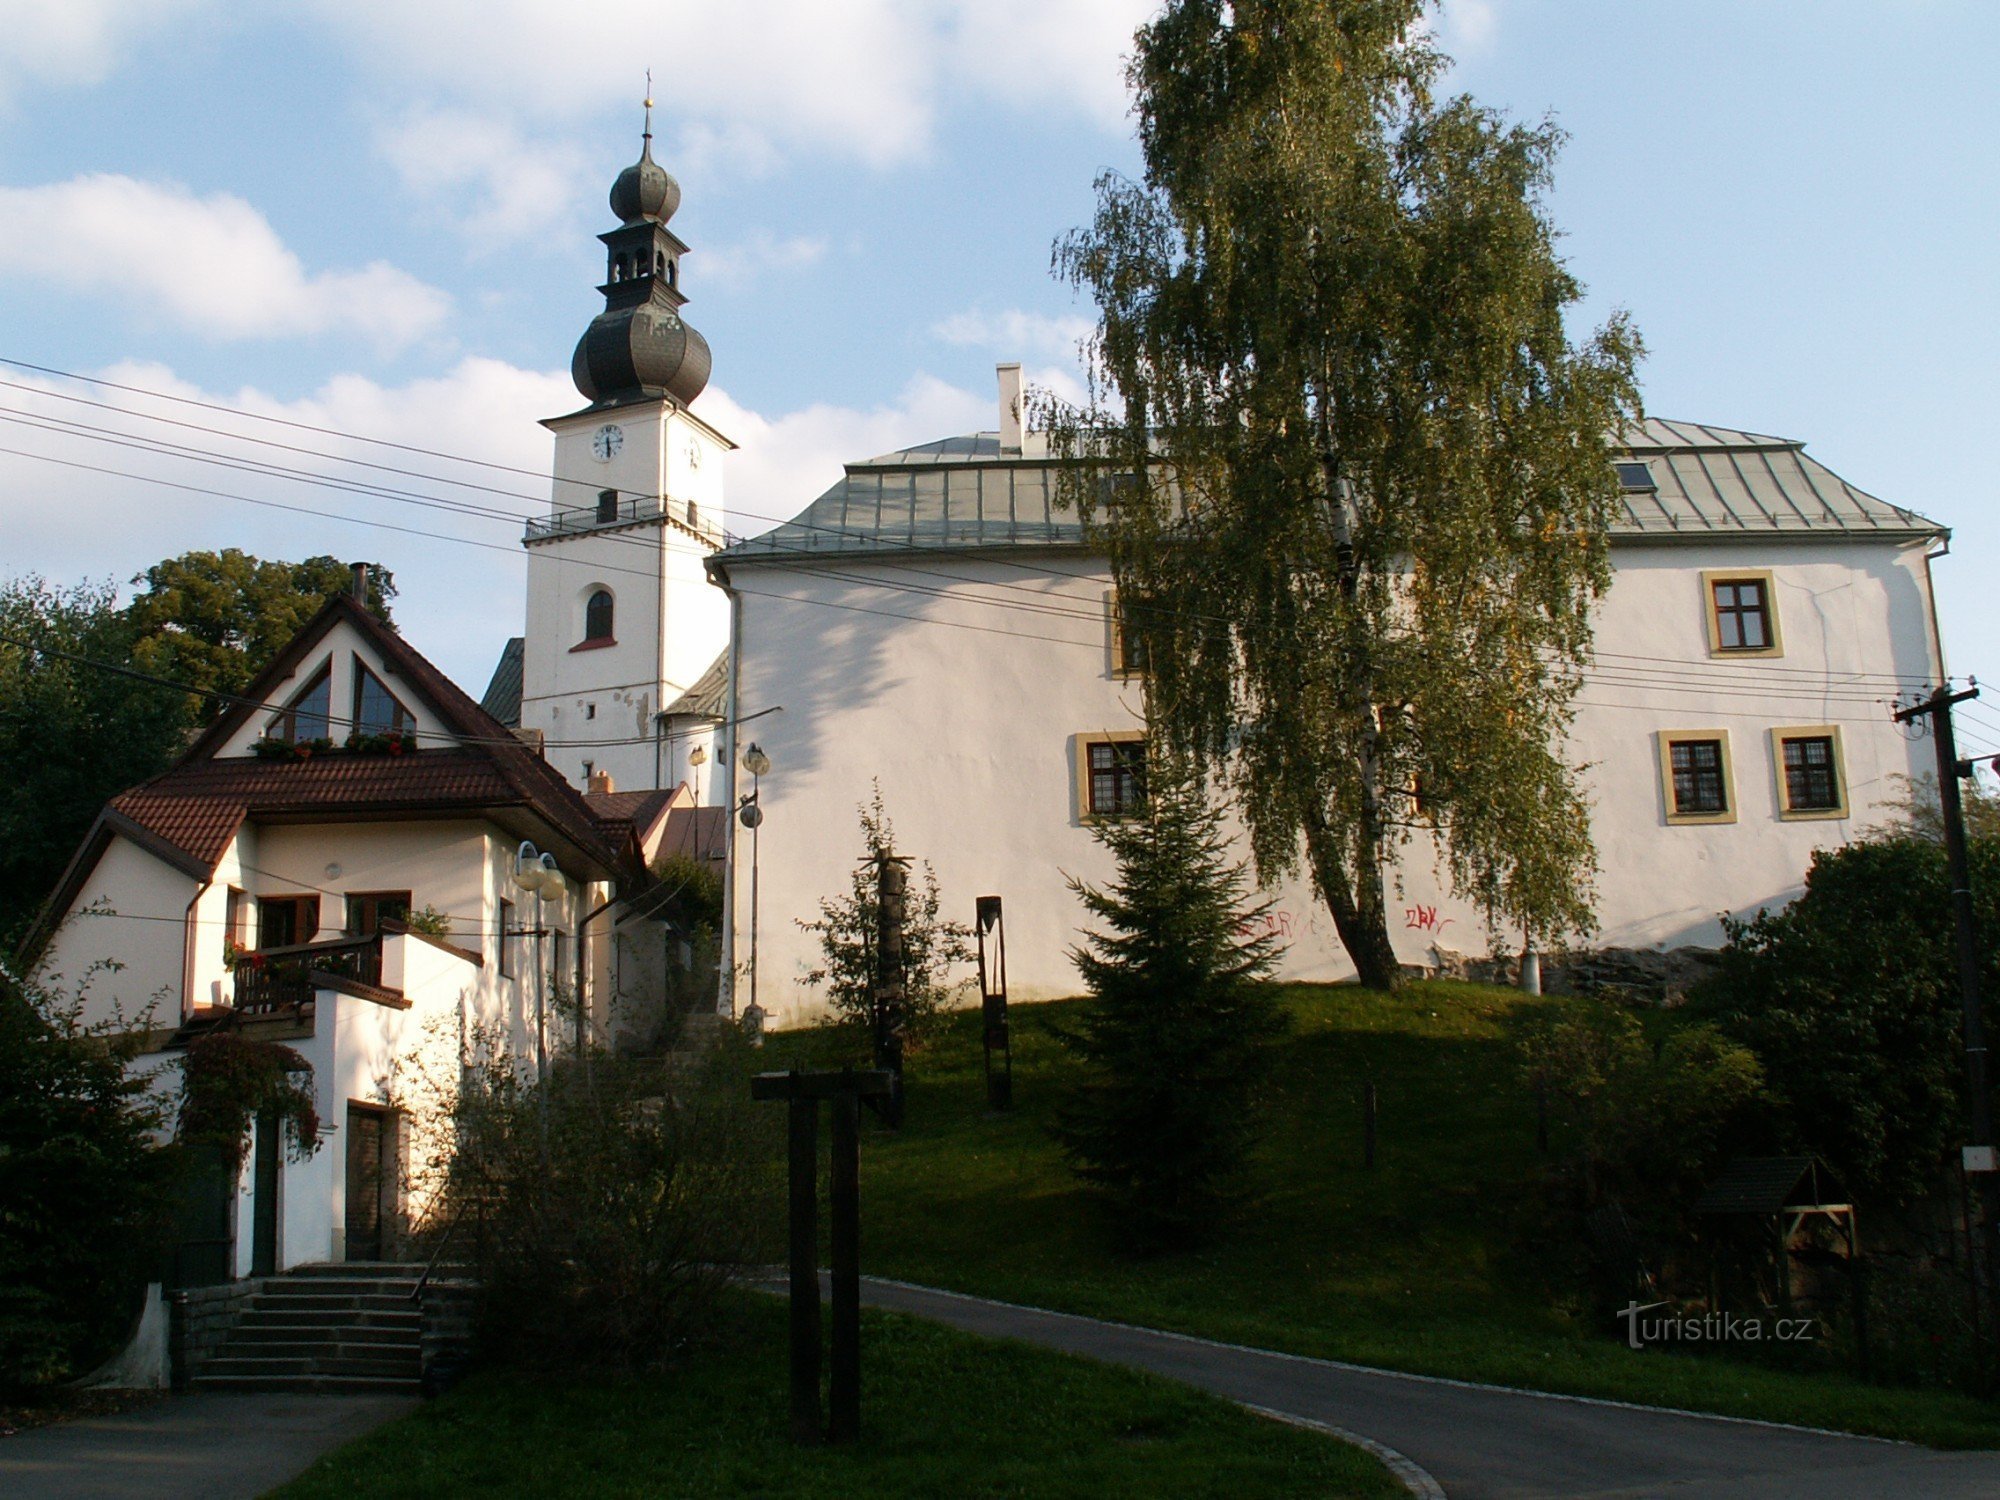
333,864
934,624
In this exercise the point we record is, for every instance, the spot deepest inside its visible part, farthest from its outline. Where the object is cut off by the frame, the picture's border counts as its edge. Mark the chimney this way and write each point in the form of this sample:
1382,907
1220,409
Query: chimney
600,782
1013,409
360,586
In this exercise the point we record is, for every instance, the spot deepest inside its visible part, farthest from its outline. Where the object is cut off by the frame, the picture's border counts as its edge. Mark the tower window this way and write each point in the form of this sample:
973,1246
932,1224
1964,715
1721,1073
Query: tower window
607,505
618,269
597,616
659,262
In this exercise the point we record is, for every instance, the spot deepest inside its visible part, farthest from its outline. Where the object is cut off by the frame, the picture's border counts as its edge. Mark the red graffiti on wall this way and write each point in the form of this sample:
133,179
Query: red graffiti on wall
1270,924
1424,919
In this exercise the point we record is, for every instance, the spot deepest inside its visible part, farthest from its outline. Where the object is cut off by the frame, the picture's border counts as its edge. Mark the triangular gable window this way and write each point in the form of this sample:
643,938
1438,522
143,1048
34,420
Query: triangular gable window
309,716
376,709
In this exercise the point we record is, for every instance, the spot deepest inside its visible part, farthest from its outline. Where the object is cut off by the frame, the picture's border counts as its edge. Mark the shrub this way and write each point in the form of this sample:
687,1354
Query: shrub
85,1191
932,947
1178,1044
1850,998
609,1204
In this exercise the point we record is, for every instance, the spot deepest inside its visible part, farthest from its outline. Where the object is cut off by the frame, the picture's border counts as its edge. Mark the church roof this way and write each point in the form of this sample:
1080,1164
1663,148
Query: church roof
502,698
708,698
1683,481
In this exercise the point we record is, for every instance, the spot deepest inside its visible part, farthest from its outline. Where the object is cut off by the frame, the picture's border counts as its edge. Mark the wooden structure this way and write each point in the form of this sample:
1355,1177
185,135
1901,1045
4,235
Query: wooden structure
993,1002
844,1092
1763,1204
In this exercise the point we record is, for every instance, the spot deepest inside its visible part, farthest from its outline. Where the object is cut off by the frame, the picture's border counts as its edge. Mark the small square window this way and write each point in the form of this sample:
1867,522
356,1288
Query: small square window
1112,772
1695,772
1742,614
1130,655
1810,783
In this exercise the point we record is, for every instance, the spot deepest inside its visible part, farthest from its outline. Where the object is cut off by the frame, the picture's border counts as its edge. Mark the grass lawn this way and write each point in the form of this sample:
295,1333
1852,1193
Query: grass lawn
1427,1263
942,1414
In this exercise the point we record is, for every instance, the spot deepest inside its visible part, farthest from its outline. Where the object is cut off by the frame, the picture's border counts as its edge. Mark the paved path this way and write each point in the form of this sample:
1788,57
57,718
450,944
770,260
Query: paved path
210,1445
1485,1442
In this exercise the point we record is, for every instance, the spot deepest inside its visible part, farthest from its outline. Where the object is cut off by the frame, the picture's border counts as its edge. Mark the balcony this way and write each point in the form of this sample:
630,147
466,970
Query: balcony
275,979
626,510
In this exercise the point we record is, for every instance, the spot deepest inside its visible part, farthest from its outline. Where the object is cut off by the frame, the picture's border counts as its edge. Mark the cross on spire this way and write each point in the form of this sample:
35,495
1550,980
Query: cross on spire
649,104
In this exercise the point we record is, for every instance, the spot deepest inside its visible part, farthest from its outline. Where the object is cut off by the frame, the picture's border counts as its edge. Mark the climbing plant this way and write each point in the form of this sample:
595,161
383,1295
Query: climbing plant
229,1079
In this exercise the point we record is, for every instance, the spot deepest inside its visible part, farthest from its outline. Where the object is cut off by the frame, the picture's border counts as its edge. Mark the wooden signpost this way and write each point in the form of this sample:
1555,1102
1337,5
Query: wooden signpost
844,1092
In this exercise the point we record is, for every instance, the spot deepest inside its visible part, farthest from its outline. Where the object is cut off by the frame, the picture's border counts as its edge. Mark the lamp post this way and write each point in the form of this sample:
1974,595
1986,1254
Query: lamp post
751,811
697,758
537,872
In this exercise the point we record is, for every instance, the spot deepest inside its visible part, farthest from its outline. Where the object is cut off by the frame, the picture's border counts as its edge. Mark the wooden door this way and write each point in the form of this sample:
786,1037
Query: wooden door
264,1197
365,1140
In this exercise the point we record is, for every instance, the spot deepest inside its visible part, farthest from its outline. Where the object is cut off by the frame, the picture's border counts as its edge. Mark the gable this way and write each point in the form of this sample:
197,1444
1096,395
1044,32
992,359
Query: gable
364,691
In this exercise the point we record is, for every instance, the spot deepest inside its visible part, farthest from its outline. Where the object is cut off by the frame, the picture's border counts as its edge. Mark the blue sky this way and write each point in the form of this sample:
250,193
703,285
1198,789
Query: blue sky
378,216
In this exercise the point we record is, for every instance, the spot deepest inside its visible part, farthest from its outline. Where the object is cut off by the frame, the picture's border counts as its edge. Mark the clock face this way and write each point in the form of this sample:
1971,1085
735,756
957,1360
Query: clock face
606,441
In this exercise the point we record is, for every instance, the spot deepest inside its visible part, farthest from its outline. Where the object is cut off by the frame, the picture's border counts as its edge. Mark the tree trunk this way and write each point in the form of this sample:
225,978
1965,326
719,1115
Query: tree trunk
1362,923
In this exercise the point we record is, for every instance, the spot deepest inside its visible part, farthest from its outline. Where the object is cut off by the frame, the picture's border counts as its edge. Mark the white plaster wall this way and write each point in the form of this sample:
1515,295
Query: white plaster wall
342,645
966,710
121,946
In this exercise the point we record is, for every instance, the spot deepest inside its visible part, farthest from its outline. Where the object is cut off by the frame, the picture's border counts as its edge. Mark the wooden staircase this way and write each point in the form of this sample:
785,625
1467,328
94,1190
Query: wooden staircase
325,1328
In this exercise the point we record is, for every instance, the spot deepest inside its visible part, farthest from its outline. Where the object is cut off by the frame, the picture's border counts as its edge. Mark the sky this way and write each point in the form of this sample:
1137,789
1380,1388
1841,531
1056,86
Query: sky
378,217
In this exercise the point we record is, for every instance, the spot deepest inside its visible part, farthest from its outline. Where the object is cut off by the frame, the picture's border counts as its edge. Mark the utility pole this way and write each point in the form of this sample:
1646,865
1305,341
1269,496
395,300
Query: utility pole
1978,1156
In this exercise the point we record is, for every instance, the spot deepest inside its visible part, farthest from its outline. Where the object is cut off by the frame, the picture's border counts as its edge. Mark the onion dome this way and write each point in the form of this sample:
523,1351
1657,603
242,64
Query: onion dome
644,190
640,348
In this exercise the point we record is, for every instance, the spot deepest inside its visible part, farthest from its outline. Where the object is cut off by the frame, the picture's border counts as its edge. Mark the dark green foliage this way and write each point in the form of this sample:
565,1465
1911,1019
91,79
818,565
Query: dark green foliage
228,1080
213,619
608,1206
1850,997
1178,1044
1342,446
1647,1121
71,737
84,1191
932,946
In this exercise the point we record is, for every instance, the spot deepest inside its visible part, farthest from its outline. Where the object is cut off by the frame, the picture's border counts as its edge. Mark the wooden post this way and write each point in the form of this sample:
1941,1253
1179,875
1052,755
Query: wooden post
845,1393
890,993
1368,1125
804,1141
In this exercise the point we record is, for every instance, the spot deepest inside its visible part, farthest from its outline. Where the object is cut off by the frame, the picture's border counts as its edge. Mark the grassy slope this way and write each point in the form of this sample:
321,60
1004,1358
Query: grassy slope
1412,1266
942,1414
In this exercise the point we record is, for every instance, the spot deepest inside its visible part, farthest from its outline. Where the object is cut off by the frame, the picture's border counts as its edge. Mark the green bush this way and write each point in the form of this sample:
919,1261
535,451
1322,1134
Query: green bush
85,1191
1850,998
1178,1044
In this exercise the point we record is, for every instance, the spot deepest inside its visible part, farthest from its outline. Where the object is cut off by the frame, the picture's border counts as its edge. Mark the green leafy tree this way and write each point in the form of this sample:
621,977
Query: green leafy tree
85,1193
1353,478
932,947
1850,997
71,736
213,619
1179,1042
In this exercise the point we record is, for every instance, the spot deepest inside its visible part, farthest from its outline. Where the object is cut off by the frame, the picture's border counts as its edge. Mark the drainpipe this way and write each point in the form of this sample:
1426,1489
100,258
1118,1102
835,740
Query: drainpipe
1930,601
725,767
187,948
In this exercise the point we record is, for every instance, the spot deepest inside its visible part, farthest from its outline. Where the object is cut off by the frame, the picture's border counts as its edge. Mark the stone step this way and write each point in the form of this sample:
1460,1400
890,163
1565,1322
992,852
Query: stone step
307,1333
322,1385
320,1349
407,1366
395,1269
294,1317
284,1301
339,1286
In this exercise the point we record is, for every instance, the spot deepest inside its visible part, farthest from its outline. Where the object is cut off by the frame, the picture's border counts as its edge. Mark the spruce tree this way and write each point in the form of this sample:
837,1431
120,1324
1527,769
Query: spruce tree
1179,1041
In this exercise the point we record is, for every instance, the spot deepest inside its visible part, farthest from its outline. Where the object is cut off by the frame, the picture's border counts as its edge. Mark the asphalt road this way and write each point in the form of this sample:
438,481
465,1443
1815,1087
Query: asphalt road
209,1445
1487,1442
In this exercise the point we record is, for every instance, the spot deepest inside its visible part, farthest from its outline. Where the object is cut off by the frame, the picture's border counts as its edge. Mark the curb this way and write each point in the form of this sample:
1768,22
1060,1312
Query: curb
1412,1475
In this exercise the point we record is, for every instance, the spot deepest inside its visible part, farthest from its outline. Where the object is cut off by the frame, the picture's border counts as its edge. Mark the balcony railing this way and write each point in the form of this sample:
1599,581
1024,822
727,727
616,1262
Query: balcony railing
269,979
625,510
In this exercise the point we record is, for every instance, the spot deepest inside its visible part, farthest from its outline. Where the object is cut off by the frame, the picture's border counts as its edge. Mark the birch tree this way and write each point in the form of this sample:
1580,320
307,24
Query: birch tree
1351,472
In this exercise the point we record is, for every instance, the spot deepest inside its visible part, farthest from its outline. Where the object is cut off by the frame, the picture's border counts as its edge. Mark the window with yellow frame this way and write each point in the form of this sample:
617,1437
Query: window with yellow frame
1742,613
1812,781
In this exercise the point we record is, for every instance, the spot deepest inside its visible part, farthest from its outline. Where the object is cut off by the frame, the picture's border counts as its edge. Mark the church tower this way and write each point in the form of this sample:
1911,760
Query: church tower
623,625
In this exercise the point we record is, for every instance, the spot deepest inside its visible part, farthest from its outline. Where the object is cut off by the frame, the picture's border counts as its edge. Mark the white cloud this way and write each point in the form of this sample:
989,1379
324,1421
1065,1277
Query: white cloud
76,41
737,266
213,264
864,79
1465,28
483,173
1015,333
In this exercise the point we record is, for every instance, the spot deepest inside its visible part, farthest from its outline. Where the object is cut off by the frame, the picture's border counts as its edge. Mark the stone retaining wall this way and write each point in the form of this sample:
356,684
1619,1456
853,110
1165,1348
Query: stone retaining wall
198,1321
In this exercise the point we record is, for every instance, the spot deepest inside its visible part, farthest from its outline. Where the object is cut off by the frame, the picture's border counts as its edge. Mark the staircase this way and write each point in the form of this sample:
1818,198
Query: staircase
327,1328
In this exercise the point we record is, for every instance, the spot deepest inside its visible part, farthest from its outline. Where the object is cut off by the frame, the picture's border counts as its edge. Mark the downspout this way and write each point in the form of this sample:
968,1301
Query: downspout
725,1000
1930,601
187,948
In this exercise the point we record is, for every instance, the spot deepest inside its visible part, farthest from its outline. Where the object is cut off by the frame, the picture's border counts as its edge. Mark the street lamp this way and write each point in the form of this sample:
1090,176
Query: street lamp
537,872
751,811
697,758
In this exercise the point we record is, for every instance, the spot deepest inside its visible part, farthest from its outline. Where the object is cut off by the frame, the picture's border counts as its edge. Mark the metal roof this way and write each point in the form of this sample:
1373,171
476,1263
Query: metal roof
503,692
962,493
708,698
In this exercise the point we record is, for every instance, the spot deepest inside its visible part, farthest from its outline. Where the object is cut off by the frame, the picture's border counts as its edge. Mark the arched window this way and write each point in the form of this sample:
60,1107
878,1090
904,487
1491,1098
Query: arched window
659,262
671,267
597,616
618,269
